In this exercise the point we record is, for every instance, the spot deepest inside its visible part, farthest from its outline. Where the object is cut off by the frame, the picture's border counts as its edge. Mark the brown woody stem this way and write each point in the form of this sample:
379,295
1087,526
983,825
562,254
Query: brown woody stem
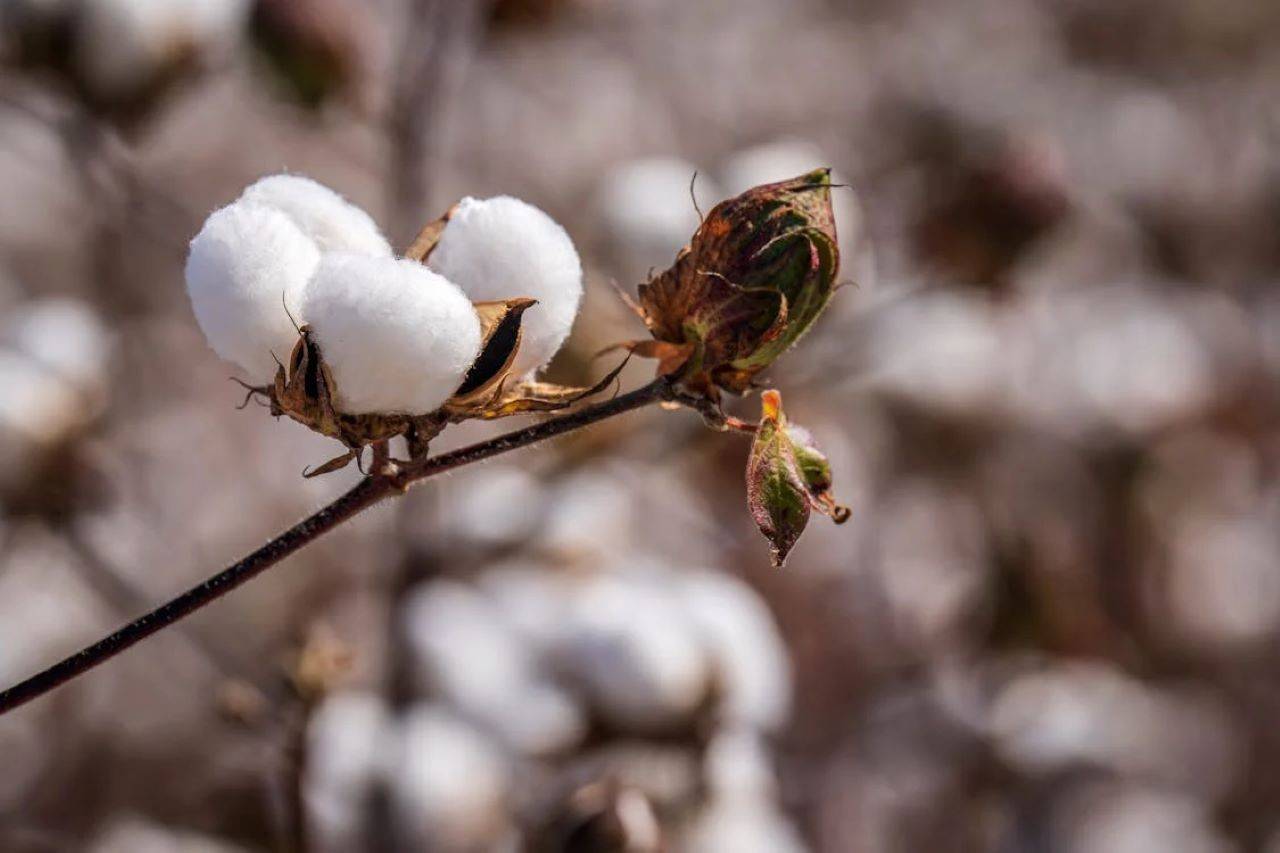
380,484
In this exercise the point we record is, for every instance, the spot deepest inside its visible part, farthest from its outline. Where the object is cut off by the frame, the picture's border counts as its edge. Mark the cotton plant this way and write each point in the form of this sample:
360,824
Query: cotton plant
297,287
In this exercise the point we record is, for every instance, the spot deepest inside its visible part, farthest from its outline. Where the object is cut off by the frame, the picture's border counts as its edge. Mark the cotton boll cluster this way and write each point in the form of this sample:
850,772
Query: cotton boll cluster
614,671
398,337
503,248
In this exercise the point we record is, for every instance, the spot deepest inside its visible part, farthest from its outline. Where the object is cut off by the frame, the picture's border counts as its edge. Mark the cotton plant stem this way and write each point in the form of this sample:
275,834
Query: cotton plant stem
391,479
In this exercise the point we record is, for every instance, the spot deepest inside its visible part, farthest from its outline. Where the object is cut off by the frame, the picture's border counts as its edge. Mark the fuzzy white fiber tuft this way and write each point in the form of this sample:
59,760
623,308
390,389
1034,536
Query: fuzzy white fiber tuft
335,224
398,337
245,266
502,248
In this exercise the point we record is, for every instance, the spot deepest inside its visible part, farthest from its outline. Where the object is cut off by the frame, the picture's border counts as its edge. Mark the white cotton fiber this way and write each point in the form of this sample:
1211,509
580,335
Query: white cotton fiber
502,248
398,337
335,224
247,263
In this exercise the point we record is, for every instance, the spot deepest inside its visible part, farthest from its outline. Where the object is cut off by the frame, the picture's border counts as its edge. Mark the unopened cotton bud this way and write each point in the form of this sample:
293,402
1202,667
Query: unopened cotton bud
503,248
335,224
397,337
245,267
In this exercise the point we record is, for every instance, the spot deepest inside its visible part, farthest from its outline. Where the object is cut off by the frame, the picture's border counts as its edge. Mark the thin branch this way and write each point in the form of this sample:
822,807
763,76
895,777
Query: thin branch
374,488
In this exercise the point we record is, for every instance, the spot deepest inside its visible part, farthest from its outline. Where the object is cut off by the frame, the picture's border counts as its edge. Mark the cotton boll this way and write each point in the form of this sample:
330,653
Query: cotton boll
247,266
533,601
335,224
343,739
747,652
496,683
37,406
47,609
448,784
63,335
503,248
742,814
398,337
122,46
39,413
634,651
493,505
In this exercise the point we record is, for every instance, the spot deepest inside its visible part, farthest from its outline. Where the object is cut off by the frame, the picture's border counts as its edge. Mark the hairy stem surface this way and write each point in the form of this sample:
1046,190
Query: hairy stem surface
381,483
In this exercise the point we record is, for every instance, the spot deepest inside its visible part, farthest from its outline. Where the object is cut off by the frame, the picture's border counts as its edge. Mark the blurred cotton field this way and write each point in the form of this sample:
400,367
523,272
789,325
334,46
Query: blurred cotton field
1050,391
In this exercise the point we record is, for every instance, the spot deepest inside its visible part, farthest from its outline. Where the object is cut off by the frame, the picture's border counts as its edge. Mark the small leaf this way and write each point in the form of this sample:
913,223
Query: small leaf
776,492
787,477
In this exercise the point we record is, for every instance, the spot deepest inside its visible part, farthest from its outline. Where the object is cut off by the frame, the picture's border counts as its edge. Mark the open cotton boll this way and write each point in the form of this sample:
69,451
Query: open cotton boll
245,266
397,337
121,46
335,224
503,248
64,335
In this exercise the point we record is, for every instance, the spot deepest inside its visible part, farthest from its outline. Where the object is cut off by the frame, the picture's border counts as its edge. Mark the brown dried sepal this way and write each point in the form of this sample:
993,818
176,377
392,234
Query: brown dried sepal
306,392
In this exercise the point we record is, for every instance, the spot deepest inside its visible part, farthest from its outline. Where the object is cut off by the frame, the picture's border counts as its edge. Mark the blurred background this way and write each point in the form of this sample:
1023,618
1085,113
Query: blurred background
1050,395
